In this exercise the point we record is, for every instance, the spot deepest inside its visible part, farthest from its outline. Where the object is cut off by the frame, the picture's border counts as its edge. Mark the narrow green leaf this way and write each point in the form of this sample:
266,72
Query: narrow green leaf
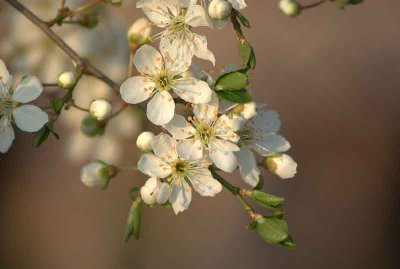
252,226
243,20
133,221
289,242
240,96
260,183
41,136
245,51
273,230
266,199
234,80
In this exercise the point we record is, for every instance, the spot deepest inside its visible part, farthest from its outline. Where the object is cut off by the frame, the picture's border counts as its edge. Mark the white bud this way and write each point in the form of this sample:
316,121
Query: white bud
219,9
290,7
249,110
154,192
143,142
66,80
282,165
100,109
140,31
96,174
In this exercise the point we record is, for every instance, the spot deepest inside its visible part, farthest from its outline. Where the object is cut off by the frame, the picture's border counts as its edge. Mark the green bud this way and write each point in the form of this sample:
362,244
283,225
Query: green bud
272,230
133,222
91,126
266,199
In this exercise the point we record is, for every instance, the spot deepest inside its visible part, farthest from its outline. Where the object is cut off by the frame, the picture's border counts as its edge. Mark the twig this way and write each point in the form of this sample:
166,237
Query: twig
313,4
85,7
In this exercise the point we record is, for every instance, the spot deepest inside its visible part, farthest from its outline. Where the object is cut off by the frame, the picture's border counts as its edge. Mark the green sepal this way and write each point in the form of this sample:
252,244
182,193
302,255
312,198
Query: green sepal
133,222
232,81
240,96
252,225
91,126
272,230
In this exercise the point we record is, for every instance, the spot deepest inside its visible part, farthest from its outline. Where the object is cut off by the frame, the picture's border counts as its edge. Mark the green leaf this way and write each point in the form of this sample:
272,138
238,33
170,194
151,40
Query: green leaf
247,55
133,222
289,242
41,136
234,80
57,105
260,183
266,199
252,226
273,230
92,127
243,20
240,96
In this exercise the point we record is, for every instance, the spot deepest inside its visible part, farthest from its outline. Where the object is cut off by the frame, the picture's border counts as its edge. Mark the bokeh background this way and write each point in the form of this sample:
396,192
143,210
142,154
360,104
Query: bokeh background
334,77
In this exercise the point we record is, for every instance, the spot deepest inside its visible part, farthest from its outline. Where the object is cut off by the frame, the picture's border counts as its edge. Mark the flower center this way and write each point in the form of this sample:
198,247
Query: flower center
204,133
180,168
163,81
246,135
7,105
178,24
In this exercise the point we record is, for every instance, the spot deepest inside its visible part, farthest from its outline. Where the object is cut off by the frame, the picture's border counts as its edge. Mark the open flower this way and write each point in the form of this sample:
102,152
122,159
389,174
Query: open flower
206,132
259,134
177,165
178,17
28,118
159,76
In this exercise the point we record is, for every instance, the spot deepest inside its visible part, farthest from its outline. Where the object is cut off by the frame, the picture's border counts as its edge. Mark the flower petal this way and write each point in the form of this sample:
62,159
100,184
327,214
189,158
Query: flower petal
179,127
224,127
30,118
174,48
148,60
157,13
196,16
180,196
163,193
224,160
27,90
151,165
193,90
161,108
164,146
271,144
5,78
266,121
223,145
205,184
207,112
6,138
137,89
238,4
190,149
200,48
248,166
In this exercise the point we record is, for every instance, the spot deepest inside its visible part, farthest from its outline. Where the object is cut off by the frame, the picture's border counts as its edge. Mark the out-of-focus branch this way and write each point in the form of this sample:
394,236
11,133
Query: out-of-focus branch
313,4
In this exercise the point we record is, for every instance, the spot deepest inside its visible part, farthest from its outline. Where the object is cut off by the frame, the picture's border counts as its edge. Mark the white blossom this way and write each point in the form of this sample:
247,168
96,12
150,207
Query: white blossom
282,165
207,133
13,107
219,9
160,76
100,109
177,18
155,192
143,141
176,164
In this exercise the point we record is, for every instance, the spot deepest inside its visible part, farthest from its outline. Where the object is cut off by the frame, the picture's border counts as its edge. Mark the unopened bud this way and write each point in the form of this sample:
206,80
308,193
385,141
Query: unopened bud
282,165
143,142
97,174
154,191
219,9
100,109
66,80
140,31
290,8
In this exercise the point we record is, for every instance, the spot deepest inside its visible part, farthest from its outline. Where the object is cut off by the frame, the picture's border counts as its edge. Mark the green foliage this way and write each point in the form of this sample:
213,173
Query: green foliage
236,96
134,220
247,55
43,134
260,183
233,81
243,20
266,200
272,230
344,3
90,19
91,126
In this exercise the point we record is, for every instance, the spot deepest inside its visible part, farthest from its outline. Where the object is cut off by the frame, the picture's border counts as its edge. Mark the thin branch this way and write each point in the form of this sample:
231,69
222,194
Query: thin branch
81,63
86,6
313,4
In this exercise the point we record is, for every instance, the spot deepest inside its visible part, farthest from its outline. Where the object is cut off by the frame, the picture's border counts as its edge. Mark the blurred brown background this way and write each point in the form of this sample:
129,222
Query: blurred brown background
334,77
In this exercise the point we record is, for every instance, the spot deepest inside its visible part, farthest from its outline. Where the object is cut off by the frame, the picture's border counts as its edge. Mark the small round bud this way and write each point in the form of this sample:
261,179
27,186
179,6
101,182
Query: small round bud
100,109
140,31
66,80
219,9
97,174
282,165
249,110
154,191
143,142
290,8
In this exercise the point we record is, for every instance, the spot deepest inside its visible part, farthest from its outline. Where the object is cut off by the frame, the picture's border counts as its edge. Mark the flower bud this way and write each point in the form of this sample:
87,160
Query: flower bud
219,9
66,80
143,142
154,192
282,165
100,109
140,31
97,174
290,8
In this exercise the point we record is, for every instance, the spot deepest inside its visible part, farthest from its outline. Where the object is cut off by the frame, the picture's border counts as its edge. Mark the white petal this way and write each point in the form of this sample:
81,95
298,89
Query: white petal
27,90
201,50
238,4
271,144
148,60
286,167
180,196
151,165
5,77
248,166
205,184
157,13
179,127
163,193
6,138
152,184
164,146
161,108
193,90
148,196
207,112
179,50
196,16
224,128
190,149
137,89
266,121
223,145
224,160
30,118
